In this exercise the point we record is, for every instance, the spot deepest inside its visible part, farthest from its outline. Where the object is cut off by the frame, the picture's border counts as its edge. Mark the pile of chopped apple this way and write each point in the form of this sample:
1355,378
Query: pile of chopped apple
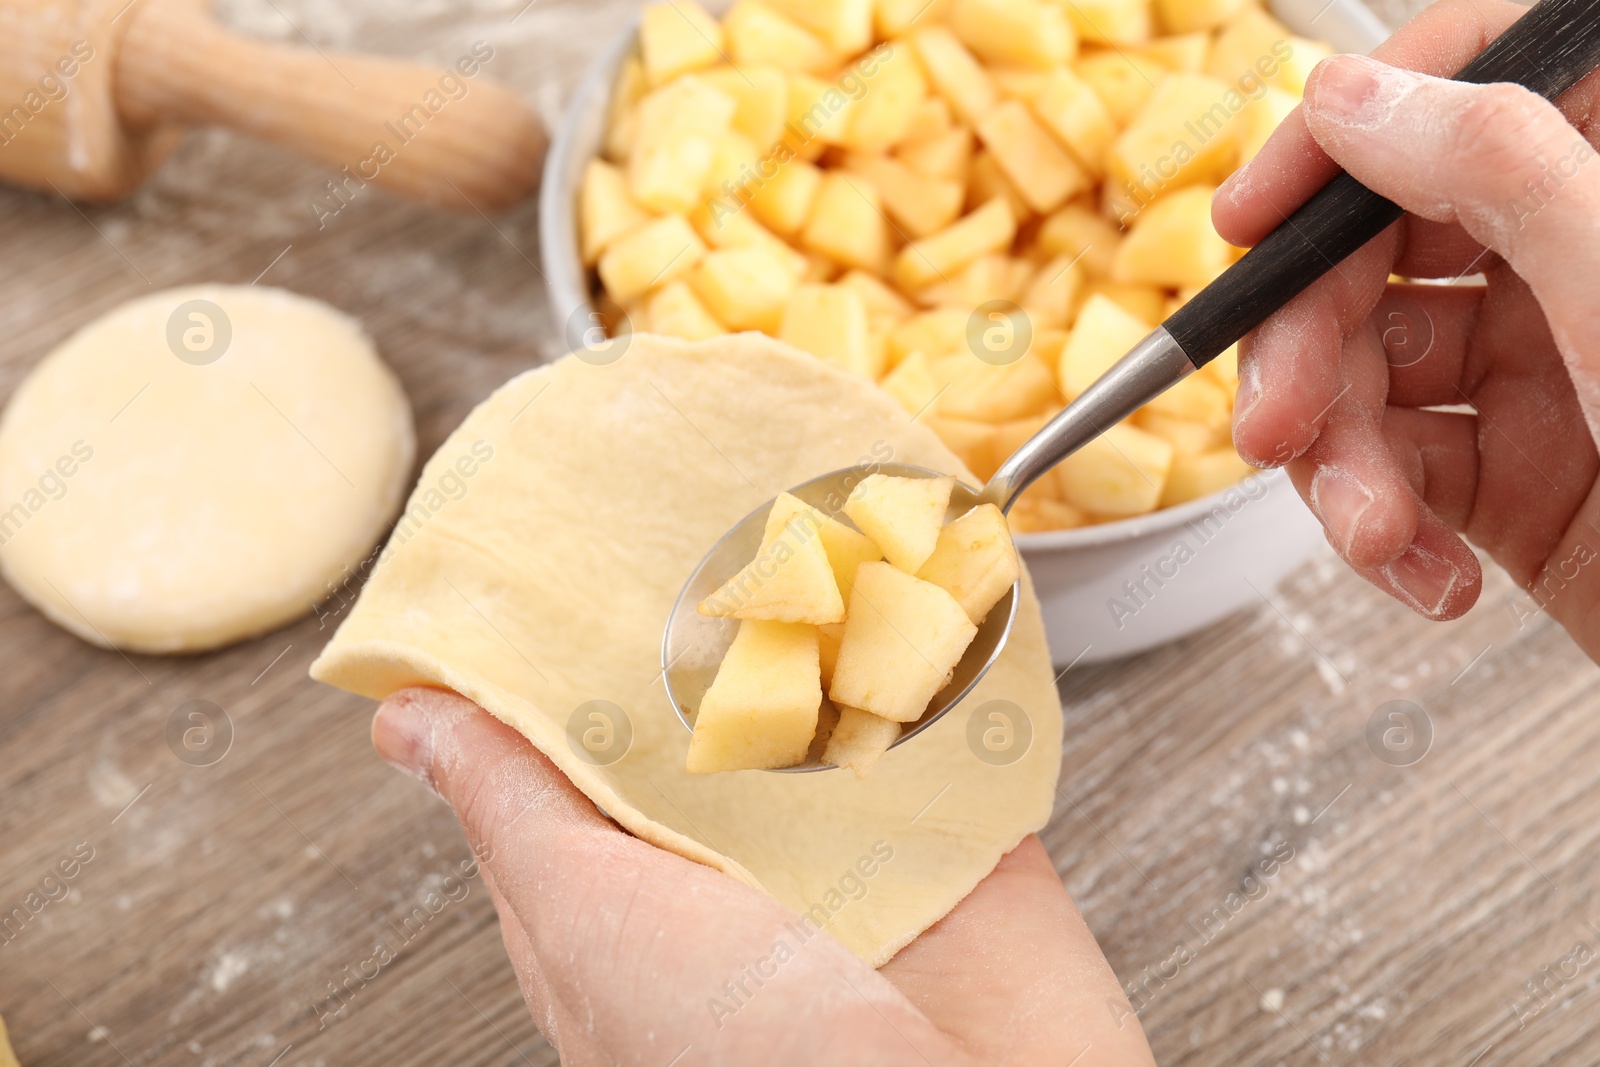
877,616
858,177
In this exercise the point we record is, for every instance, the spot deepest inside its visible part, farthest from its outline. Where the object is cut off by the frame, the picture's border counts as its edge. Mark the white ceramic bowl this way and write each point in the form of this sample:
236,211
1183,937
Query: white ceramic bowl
1109,590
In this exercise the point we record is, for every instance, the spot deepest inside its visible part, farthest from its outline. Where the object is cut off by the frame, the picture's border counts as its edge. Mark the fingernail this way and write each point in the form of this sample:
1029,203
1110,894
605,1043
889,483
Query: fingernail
1423,579
402,732
1357,91
1340,501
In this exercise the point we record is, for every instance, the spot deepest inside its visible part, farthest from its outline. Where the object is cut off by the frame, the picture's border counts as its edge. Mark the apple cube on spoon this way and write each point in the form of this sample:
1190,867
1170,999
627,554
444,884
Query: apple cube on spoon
901,515
974,561
858,739
902,640
791,578
761,711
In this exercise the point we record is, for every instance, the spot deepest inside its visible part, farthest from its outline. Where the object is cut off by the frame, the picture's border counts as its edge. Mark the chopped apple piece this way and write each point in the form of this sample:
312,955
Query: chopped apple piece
902,641
761,711
989,229
830,322
1183,16
1262,118
896,92
1123,80
1111,22
784,201
1255,43
974,561
943,155
724,227
1082,235
883,304
1144,302
1173,244
605,210
993,277
622,117
1183,135
933,333
676,143
955,74
791,578
733,162
820,113
989,393
746,288
1120,473
1182,52
828,637
1102,335
676,38
675,311
649,255
847,549
1015,33
895,17
1052,294
916,202
846,25
858,739
759,36
931,118
1195,476
761,98
1071,109
901,515
1224,370
847,223
1044,515
986,182
1186,437
1019,83
1034,161
912,383
1196,399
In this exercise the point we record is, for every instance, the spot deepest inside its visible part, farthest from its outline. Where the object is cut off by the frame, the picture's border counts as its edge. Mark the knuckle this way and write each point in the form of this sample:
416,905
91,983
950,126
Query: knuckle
1501,131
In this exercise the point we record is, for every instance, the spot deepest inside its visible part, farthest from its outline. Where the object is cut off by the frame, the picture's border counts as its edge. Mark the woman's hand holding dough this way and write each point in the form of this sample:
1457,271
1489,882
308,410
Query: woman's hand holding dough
1338,385
620,947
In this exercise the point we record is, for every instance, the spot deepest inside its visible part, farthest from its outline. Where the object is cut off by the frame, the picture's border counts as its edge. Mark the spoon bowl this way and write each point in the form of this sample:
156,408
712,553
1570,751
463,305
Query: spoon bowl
695,644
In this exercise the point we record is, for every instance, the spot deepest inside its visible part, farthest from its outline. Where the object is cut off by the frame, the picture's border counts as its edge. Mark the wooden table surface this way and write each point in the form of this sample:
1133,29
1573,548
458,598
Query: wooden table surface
221,901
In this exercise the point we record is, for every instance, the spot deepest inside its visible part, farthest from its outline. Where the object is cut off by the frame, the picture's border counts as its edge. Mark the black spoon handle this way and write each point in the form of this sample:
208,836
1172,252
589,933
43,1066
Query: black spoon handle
1548,50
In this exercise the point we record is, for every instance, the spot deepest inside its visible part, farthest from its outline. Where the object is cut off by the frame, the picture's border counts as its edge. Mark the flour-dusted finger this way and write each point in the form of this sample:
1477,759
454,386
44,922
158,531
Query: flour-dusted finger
1292,166
1499,160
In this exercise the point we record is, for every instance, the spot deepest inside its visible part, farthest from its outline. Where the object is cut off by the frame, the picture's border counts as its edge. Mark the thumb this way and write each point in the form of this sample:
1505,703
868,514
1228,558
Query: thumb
525,822
1498,159
503,791
618,945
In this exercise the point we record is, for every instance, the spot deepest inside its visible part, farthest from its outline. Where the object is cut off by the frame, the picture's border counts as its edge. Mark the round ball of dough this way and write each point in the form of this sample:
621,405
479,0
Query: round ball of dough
198,466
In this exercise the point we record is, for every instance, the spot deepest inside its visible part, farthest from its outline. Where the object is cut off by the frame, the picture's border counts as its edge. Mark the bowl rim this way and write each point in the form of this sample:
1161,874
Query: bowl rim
566,278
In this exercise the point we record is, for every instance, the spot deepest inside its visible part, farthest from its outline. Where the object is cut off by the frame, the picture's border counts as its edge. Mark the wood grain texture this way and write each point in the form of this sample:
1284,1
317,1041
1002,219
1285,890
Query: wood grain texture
221,903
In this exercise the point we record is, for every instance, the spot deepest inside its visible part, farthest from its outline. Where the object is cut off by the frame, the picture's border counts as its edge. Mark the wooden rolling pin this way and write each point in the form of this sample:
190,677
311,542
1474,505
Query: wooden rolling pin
93,94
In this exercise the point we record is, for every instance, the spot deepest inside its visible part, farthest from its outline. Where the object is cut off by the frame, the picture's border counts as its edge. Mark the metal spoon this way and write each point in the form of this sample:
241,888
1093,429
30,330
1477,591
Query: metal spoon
1548,50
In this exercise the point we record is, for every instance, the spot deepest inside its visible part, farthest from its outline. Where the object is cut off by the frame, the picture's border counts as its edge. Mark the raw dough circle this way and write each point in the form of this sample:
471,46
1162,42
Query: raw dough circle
541,553
198,466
